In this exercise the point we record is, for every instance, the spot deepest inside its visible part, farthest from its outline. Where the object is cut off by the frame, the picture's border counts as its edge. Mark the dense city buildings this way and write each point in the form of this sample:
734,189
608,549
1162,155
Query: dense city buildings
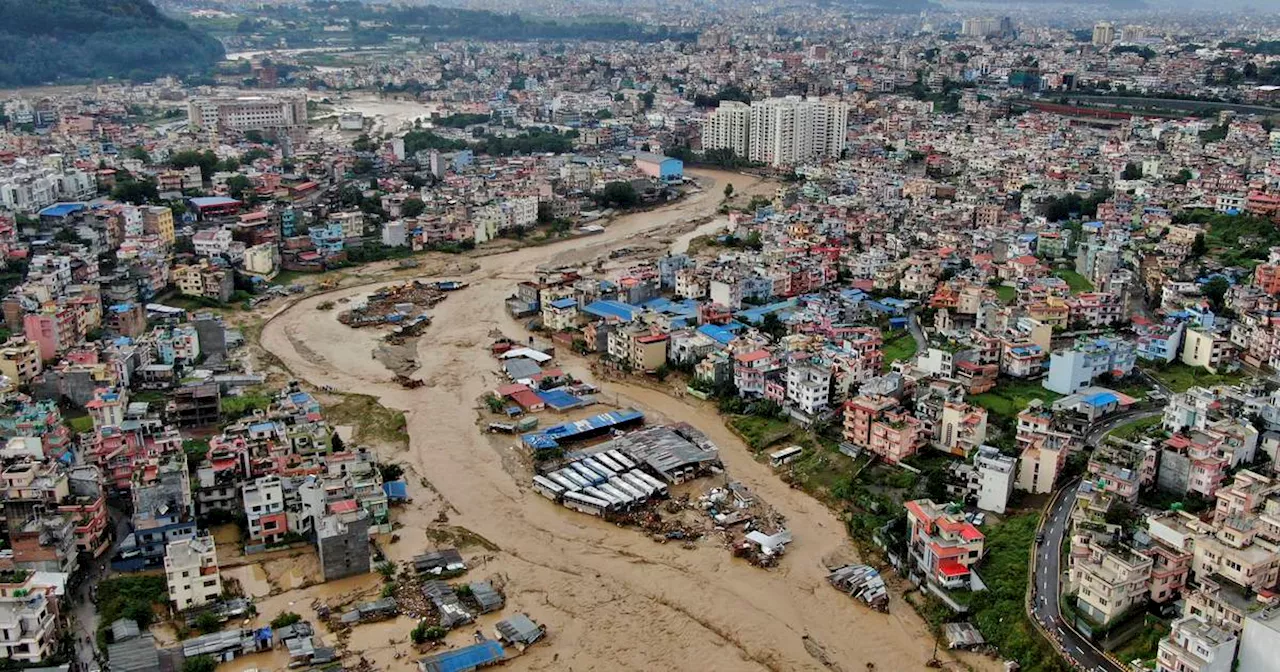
993,292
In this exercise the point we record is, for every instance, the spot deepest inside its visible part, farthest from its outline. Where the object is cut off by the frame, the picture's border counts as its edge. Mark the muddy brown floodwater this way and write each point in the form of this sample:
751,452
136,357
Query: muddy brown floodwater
611,598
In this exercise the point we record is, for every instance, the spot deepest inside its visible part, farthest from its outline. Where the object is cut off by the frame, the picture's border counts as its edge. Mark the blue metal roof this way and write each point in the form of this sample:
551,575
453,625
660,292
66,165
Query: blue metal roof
717,333
559,399
488,652
395,490
567,302
615,309
550,437
61,209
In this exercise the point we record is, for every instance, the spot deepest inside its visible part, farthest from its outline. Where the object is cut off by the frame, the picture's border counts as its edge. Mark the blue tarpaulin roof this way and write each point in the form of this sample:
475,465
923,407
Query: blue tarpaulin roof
61,209
208,201
1101,398
395,490
465,659
559,399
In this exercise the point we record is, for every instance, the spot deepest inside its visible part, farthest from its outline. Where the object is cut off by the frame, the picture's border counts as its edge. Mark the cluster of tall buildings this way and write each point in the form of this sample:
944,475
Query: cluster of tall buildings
778,131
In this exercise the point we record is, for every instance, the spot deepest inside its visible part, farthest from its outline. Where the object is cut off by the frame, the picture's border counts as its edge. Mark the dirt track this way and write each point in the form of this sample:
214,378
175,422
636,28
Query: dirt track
611,598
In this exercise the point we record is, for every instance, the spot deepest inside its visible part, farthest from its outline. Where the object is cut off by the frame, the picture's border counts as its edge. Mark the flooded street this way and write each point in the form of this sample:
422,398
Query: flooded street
611,598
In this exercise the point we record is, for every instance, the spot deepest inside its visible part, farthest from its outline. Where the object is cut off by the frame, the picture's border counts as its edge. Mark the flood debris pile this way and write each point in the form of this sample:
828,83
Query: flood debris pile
752,529
401,305
862,582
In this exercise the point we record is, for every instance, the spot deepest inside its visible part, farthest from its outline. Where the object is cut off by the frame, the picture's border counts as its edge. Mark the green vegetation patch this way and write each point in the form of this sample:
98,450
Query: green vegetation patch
373,422
135,597
901,346
70,40
1010,397
1000,612
1179,377
759,431
1137,429
1078,283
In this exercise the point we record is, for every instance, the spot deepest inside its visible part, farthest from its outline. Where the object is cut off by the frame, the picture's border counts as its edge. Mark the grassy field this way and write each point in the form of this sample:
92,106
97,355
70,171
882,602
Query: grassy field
898,347
1007,294
1010,397
372,421
1078,283
1179,377
761,432
1137,428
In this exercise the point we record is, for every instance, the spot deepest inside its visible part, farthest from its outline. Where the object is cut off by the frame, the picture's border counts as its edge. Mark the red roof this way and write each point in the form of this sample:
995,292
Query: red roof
528,400
753,356
511,388
952,569
345,506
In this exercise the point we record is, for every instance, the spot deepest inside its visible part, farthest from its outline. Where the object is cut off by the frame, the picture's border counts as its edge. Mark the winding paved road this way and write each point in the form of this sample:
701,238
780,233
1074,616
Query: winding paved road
1048,569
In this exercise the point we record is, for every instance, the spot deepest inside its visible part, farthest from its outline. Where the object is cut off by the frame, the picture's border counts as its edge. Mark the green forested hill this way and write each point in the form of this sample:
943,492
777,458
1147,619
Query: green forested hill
44,41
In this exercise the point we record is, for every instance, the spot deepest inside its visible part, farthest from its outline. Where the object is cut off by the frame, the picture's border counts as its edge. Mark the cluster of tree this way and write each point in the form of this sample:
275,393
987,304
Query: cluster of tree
1265,47
529,142
1147,53
418,140
618,195
1065,207
720,158
1214,133
208,161
462,120
730,92
70,40
432,22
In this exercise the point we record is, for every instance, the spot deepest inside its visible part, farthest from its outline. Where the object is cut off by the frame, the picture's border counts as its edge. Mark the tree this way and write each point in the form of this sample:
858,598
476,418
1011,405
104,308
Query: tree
208,622
646,99
137,192
620,194
412,207
284,620
1131,172
1216,291
237,184
728,190
772,326
139,153
200,664
1199,247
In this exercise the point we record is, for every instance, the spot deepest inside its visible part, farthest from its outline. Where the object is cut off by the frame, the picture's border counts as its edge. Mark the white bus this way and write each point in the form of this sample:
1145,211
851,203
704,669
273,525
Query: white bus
547,488
781,457
585,503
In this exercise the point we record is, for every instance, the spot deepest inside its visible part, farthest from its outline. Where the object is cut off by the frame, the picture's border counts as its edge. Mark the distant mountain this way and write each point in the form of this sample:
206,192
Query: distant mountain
43,41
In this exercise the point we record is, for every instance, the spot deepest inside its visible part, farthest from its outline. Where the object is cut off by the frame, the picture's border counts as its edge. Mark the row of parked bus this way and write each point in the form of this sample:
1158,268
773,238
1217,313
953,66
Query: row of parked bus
600,483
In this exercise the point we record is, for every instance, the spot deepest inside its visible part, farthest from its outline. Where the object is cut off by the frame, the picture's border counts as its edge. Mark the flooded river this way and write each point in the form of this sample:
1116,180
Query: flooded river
610,597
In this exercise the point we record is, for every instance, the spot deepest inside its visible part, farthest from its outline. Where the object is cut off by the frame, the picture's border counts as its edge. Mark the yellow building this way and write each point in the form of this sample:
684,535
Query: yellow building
20,360
1205,349
158,220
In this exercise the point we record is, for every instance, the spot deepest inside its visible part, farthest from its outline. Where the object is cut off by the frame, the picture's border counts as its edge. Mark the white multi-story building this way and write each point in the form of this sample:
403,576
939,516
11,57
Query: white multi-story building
287,114
809,388
728,127
1075,368
1110,582
1260,640
995,478
191,570
264,507
1194,645
28,618
791,130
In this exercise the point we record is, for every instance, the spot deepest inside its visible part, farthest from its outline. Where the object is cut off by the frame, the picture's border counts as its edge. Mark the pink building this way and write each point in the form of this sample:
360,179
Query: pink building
942,546
879,425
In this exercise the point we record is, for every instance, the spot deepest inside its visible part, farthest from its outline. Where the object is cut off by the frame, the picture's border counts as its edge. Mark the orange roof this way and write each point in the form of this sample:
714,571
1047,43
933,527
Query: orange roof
753,356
